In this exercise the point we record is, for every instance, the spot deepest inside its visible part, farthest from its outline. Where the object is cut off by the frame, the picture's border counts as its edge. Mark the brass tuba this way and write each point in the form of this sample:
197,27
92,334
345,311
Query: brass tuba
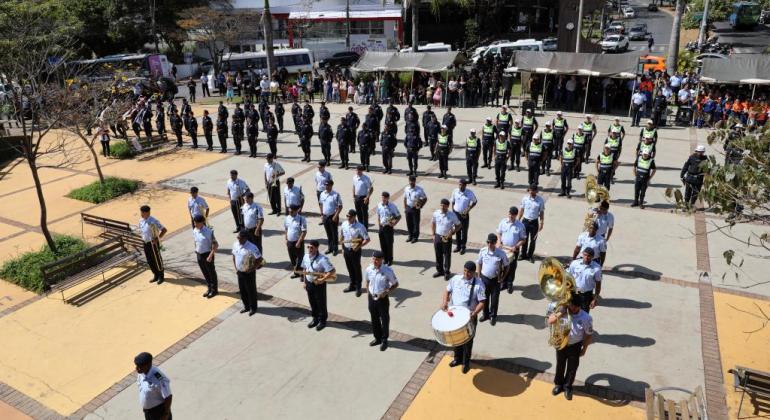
557,286
595,193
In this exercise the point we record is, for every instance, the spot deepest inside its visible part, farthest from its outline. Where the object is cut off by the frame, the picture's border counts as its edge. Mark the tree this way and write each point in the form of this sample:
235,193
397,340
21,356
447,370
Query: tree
415,6
215,26
673,43
267,28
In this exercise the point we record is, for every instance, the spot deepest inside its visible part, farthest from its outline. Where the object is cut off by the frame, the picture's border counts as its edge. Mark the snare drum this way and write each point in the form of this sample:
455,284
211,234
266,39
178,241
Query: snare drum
453,331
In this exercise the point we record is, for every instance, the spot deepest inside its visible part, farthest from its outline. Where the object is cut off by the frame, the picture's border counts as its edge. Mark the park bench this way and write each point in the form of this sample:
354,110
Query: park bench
755,383
660,408
67,272
111,228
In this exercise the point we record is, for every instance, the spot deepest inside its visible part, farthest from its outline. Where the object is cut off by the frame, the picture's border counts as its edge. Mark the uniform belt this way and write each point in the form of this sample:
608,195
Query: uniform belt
529,220
585,293
204,252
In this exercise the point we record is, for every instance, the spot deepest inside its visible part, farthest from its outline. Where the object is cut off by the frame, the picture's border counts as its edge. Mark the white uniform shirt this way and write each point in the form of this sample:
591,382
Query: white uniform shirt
241,251
293,196
413,195
462,200
380,279
533,207
511,232
460,292
582,325
492,263
330,201
317,263
597,243
236,188
586,275
361,185
197,206
605,222
351,231
145,226
386,211
321,178
294,226
204,238
251,214
638,98
154,388
444,222
273,170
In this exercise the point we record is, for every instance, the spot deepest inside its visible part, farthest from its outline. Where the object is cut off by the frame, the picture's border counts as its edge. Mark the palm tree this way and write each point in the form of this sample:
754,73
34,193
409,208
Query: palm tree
673,43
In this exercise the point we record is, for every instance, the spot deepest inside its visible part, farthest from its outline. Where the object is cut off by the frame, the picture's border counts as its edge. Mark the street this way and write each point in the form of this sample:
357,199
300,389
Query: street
744,41
658,25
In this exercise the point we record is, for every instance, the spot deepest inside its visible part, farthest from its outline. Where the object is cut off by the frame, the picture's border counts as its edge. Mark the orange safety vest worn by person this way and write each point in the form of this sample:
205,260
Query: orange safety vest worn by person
646,86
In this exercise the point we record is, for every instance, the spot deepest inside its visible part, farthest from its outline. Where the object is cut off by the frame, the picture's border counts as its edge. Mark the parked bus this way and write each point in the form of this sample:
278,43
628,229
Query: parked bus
745,15
149,66
297,60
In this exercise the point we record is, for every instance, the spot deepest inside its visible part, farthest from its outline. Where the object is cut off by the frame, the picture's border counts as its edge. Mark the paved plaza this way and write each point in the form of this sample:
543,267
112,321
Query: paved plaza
673,313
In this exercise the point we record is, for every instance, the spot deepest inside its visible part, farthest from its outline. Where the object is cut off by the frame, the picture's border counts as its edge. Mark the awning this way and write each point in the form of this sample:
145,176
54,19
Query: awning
584,64
432,62
354,14
751,69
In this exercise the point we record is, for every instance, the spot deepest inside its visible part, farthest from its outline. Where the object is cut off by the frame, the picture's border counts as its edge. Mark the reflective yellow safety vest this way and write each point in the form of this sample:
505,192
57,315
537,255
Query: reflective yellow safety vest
616,128
443,140
559,123
648,134
535,149
613,143
605,161
568,155
579,139
645,148
546,136
503,118
643,165
501,148
588,127
488,129
472,142
528,122
516,133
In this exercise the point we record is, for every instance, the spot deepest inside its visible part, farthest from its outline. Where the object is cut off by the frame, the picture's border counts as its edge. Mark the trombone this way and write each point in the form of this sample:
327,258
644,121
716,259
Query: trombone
320,276
155,246
355,243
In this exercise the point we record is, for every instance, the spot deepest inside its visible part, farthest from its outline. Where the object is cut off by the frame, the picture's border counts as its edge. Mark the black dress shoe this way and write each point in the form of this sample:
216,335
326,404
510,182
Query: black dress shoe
408,240
384,345
321,325
328,251
483,318
454,363
207,294
212,294
312,323
335,252
562,194
557,390
295,275
349,289
359,292
568,394
236,230
437,274
414,240
466,368
457,249
462,251
244,310
493,320
160,280
446,276
375,342
154,279
510,288
252,312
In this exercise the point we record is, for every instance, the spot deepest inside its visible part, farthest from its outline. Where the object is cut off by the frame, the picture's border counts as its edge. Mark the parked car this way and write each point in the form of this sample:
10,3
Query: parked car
618,25
652,7
628,12
549,44
638,32
699,58
615,43
342,59
652,63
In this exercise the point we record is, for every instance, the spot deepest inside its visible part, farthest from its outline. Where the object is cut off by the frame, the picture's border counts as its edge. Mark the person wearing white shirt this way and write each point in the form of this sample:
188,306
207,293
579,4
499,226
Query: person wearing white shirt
236,189
387,217
638,100
205,249
205,85
380,281
321,177
683,96
588,279
273,173
511,236
253,219
414,199
492,268
354,238
465,290
196,205
531,210
463,200
315,283
362,191
591,239
293,195
243,251
330,206
605,220
152,231
443,226
154,388
295,230
568,358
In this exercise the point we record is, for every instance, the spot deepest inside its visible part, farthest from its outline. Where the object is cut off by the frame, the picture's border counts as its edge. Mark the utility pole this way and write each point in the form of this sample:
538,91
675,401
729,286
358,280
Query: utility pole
347,25
702,33
154,33
579,26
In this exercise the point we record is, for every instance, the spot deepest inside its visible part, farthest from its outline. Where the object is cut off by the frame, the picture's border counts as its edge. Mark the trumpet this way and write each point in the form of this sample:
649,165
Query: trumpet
355,243
320,276
446,238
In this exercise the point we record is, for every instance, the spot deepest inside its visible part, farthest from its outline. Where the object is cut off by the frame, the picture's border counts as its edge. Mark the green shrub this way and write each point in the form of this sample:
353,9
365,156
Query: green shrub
24,270
121,150
97,192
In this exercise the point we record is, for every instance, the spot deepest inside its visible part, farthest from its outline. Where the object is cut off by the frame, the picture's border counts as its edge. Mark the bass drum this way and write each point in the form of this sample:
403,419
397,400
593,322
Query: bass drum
453,327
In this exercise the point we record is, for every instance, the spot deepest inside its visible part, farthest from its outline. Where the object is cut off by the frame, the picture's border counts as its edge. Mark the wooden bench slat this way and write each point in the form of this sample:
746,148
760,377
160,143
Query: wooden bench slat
685,409
90,273
649,400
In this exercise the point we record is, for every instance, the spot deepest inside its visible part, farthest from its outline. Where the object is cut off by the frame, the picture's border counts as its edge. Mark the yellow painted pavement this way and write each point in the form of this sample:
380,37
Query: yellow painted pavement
8,230
12,247
495,394
17,177
163,166
9,413
63,355
737,346
23,206
12,295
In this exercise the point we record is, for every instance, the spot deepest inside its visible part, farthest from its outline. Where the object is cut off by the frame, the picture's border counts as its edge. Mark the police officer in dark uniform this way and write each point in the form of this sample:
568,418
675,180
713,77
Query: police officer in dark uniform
443,149
528,128
692,175
427,117
305,135
502,150
185,113
589,131
160,119
432,131
534,154
364,140
516,138
323,111
605,166
208,129
222,112
272,136
176,126
279,112
222,132
252,130
560,129
413,144
192,130
410,115
488,137
343,140
644,170
353,122
371,123
392,114
147,120
579,143
238,119
546,138
450,121
326,135
503,120
388,144
308,113
296,112
264,111
472,154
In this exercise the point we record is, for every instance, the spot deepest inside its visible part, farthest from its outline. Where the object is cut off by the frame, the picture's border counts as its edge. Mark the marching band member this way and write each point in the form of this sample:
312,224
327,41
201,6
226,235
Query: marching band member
532,209
354,238
293,196
511,236
295,230
493,267
465,290
246,271
236,189
321,177
387,217
273,173
253,219
362,191
414,199
591,239
197,205
568,358
463,201
317,269
380,281
443,226
588,279
605,220
152,231
330,206
205,249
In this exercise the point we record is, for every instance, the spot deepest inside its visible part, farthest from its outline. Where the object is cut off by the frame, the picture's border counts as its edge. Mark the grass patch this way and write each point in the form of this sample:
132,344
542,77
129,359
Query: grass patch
121,150
97,192
24,270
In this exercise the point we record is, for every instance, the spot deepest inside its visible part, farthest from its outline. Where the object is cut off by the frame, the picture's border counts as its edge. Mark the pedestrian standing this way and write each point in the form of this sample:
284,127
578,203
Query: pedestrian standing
154,389
205,249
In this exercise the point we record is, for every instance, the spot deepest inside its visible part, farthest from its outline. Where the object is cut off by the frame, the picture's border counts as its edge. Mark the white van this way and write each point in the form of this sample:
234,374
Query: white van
295,60
507,49
430,47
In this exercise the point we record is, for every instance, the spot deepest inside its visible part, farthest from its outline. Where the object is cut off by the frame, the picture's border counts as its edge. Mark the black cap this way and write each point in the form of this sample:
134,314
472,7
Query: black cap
576,300
329,182
492,238
533,187
243,233
142,358
294,207
290,179
270,156
513,210
605,204
589,251
352,212
193,189
144,209
199,218
444,201
378,254
249,194
412,178
233,172
360,167
386,194
313,242
470,266
321,163
464,181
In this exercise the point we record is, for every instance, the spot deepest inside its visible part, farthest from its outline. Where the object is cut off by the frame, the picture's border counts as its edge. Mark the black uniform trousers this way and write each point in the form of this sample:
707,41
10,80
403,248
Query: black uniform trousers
487,149
511,276
154,259
274,195
640,189
472,166
461,236
492,289
413,222
558,142
692,187
605,176
412,157
222,136
545,161
500,168
273,144
296,254
515,155
532,227
156,413
533,171
567,171
586,298
316,296
432,144
326,152
235,208
365,155
194,138
178,134
344,155
387,158
247,285
443,159
578,160
443,254
209,271
332,232
386,243
252,140
209,139
567,362
353,263
589,141
463,353
362,211
380,313
254,238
